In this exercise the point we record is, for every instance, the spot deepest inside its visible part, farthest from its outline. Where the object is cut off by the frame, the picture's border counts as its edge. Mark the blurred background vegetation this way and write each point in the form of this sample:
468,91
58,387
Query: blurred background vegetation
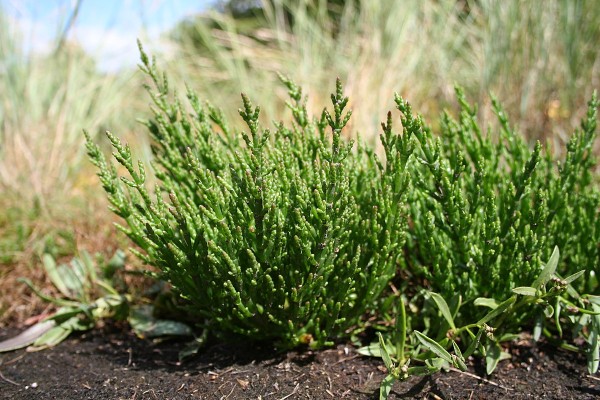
540,58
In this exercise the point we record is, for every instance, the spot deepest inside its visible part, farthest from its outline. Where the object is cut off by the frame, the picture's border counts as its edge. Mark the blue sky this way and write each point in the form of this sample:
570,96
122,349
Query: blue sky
105,28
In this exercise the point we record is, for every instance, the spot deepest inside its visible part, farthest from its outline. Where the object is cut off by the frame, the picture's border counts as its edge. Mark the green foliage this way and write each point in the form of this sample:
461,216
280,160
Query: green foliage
88,292
485,212
550,301
288,235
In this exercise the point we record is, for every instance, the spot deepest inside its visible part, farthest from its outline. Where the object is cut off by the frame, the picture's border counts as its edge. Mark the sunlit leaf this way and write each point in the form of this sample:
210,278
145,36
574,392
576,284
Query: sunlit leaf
525,291
593,350
575,276
497,311
486,302
459,360
27,337
494,355
548,270
386,387
372,350
51,338
385,355
434,347
444,309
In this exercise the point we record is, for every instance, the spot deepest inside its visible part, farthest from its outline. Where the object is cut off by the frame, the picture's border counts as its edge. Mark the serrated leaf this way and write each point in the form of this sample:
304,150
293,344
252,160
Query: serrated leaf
497,311
444,309
434,347
525,291
548,270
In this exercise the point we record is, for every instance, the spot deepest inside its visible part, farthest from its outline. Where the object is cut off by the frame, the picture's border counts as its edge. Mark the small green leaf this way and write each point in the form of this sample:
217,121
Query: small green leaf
459,360
27,337
444,309
384,353
193,347
593,349
51,338
494,354
426,370
558,310
575,276
146,326
434,347
548,270
486,302
386,387
57,301
372,350
507,337
90,267
497,311
54,275
594,299
525,291
474,343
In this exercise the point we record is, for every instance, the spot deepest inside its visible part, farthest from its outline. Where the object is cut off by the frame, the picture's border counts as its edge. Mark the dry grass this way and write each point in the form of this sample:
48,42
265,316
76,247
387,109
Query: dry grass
541,60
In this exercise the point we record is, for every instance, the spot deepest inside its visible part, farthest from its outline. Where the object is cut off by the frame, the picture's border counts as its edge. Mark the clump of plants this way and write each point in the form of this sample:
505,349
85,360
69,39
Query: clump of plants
291,234
287,234
488,216
487,209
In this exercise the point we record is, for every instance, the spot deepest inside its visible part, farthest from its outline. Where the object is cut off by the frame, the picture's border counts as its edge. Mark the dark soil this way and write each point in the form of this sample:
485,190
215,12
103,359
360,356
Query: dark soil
111,363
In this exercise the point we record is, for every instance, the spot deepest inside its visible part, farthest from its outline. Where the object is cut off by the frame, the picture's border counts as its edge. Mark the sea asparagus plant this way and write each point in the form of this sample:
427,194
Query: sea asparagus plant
288,234
486,208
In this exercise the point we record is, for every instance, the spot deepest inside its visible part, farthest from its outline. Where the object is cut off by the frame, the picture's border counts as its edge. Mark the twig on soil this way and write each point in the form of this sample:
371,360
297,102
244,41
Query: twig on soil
291,394
8,380
479,378
593,377
13,360
346,359
226,397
